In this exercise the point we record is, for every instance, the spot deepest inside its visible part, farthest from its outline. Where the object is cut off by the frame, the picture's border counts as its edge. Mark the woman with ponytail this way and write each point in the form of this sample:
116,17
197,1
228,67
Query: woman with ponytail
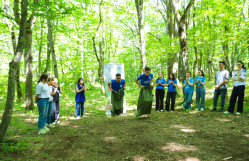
239,84
160,83
41,98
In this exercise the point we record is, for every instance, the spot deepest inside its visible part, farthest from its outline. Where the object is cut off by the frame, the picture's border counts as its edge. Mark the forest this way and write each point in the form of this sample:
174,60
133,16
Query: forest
72,39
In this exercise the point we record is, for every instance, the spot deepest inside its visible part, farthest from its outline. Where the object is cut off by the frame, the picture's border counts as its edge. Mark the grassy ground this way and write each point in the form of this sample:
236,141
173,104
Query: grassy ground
164,136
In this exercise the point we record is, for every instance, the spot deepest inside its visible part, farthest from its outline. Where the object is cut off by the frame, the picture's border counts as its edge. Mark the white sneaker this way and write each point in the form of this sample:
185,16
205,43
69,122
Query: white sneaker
51,125
58,121
238,113
171,111
46,128
226,112
42,131
202,109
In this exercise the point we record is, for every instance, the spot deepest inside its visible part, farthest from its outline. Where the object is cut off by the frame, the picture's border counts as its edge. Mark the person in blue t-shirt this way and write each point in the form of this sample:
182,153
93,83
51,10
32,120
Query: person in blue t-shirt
188,90
80,89
171,94
160,83
200,81
117,95
145,81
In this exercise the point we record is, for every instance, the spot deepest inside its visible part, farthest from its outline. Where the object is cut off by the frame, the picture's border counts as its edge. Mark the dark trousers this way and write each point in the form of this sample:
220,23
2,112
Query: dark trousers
222,93
159,99
237,92
172,96
55,112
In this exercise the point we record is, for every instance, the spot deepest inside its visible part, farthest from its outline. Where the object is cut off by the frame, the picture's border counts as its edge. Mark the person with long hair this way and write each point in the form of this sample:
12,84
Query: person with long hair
200,81
80,99
160,83
188,90
171,94
239,84
50,103
41,98
56,103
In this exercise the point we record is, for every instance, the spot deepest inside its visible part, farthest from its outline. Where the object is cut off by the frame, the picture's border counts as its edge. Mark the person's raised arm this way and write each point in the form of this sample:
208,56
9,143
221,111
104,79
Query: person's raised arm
191,84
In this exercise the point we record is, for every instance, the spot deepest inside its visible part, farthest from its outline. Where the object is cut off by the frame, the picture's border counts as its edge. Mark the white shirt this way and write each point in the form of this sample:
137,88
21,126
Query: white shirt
49,92
242,74
220,76
42,90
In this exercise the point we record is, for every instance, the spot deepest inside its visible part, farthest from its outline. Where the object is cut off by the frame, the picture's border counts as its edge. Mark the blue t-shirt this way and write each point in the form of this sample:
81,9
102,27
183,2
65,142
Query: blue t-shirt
202,79
117,86
171,87
80,97
144,80
188,88
162,80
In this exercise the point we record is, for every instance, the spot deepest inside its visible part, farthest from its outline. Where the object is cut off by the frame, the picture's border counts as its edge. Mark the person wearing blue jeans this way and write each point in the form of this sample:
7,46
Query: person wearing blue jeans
200,81
41,98
50,103
188,86
221,84
80,89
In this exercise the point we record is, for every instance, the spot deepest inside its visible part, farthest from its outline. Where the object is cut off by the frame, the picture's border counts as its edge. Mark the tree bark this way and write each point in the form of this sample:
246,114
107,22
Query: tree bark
40,49
181,23
13,66
140,15
28,58
100,56
51,47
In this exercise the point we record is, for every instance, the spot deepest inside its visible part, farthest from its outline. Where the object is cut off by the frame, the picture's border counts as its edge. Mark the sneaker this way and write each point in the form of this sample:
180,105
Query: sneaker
42,131
214,109
77,117
221,110
238,113
226,112
58,122
51,125
202,109
196,109
46,128
171,111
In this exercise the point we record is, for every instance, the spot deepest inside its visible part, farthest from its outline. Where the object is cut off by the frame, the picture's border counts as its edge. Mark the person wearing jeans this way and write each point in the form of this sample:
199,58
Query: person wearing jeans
239,84
80,89
50,103
171,94
188,90
200,90
160,83
221,84
41,98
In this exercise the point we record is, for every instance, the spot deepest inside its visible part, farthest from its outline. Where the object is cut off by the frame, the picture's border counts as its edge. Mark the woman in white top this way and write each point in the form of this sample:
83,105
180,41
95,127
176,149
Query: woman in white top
238,79
41,98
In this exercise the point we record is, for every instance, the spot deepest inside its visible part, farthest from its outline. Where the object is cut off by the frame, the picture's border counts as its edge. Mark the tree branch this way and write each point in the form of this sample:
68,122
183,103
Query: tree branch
16,11
184,16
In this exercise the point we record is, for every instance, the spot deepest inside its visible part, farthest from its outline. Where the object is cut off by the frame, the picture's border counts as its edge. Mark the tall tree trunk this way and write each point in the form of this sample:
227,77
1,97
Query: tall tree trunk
51,47
48,58
195,48
13,39
100,56
140,15
13,66
28,58
182,23
40,49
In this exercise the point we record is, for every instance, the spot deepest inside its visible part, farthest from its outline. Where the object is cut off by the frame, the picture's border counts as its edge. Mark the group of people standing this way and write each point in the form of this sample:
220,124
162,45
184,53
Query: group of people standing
48,92
145,82
47,98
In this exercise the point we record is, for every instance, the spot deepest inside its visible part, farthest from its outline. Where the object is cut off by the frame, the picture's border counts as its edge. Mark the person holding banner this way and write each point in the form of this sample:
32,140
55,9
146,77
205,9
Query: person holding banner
117,88
145,98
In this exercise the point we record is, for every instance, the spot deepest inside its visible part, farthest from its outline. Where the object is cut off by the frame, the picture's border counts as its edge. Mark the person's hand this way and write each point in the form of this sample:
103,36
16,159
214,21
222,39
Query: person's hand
170,81
216,87
124,88
187,79
112,90
159,82
62,85
142,86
